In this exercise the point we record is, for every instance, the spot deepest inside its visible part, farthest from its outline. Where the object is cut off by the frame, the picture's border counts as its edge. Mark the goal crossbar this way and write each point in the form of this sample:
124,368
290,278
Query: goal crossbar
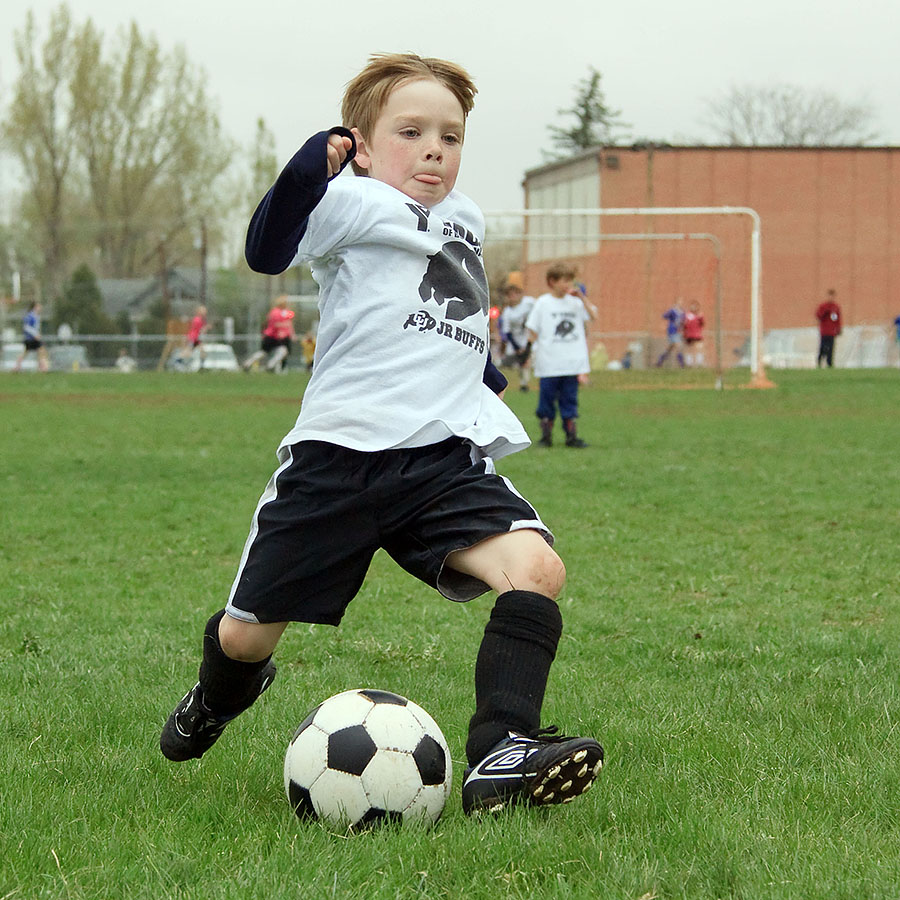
756,367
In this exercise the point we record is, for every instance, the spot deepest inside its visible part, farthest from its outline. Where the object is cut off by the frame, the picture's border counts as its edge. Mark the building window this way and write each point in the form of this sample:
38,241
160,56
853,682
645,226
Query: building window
563,236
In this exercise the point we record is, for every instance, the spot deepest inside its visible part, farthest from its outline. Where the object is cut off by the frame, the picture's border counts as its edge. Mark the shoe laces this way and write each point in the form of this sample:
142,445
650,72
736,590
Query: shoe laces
197,715
548,735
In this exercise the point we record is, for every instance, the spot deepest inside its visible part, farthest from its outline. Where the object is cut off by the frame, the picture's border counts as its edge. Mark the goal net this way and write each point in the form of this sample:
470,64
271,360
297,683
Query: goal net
646,270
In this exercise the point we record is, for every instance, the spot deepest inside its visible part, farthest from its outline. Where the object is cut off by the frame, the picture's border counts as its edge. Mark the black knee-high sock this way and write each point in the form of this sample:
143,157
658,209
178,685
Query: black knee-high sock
229,685
512,667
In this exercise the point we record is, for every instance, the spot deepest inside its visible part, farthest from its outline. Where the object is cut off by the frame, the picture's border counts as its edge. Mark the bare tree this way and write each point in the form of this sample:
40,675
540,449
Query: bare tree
787,115
150,141
122,148
263,162
38,132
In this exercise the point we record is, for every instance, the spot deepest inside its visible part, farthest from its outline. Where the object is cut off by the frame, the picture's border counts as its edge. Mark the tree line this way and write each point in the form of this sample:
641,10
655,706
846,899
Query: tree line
127,171
125,164
779,115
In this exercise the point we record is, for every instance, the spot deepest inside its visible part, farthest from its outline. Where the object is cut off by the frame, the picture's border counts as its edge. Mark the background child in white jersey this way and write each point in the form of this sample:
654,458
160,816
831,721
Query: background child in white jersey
396,436
556,326
516,347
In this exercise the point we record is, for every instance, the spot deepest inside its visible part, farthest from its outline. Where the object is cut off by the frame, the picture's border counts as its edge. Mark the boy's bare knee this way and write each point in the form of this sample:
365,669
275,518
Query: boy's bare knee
550,575
516,561
248,641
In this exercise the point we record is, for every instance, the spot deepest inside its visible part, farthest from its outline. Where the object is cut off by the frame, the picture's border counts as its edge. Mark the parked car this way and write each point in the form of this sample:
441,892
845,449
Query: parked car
62,358
68,357
11,352
216,356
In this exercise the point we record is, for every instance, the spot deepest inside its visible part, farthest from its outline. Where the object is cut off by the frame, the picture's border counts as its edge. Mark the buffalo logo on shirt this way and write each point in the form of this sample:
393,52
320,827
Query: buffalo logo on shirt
564,328
455,275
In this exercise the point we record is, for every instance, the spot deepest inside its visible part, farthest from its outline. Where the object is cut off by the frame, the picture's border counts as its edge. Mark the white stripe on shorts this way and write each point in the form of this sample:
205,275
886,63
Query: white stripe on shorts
268,495
519,524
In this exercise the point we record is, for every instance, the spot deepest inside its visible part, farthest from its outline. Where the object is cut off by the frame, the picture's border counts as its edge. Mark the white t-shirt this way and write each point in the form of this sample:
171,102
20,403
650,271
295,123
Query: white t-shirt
512,321
561,346
403,324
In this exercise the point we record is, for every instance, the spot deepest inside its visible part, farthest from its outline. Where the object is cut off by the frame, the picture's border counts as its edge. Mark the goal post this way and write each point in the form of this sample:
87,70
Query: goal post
575,235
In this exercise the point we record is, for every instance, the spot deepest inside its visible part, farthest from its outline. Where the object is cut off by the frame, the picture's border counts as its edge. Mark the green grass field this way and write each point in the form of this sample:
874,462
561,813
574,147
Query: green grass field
732,637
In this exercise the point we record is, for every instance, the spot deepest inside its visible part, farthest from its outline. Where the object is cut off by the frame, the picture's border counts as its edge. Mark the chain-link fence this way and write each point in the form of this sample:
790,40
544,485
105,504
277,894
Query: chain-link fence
144,352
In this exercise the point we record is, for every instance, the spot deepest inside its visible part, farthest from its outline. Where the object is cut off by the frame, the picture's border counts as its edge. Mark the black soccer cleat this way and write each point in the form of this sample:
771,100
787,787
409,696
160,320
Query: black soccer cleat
192,728
573,441
540,769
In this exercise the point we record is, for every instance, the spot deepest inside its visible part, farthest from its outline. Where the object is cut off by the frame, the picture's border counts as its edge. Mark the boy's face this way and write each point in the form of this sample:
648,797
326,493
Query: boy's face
416,142
559,287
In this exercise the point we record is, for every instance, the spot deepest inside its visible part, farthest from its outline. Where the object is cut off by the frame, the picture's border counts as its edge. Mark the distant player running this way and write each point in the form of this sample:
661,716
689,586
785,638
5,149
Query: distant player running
31,329
897,330
513,333
674,317
198,327
277,338
692,329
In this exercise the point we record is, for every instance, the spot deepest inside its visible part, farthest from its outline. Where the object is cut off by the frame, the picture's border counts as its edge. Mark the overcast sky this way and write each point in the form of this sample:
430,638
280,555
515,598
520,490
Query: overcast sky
661,61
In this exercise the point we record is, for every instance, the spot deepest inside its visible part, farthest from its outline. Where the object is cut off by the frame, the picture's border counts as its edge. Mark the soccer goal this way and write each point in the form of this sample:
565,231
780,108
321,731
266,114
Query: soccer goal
639,263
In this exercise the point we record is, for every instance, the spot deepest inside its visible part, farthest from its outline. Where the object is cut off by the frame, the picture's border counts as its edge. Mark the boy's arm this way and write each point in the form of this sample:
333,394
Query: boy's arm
280,220
493,377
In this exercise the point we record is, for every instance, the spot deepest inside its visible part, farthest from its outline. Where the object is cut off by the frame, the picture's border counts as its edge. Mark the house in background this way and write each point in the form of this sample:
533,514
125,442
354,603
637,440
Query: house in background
830,218
137,296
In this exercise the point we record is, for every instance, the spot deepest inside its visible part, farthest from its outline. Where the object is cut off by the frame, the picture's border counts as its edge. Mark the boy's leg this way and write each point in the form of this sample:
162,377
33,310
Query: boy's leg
520,638
512,668
255,358
236,668
509,759
568,409
546,410
278,356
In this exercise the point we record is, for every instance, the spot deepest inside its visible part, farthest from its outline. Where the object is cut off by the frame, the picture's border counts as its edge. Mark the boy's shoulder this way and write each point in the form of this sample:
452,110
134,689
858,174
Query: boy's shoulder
363,193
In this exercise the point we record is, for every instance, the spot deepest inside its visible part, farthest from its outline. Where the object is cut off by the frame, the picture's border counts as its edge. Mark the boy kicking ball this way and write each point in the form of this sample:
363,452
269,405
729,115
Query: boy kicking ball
396,439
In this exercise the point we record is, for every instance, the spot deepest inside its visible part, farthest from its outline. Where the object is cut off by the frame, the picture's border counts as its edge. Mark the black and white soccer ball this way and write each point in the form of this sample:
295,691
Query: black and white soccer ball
366,756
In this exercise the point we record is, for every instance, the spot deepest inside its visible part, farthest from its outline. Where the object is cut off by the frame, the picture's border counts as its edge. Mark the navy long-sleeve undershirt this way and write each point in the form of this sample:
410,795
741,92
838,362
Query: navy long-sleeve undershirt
280,221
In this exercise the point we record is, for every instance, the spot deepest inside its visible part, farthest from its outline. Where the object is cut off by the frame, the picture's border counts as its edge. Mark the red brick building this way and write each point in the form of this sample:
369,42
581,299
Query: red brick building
830,217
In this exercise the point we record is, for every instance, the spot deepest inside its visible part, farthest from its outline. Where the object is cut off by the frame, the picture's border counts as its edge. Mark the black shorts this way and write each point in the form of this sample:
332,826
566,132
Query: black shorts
269,343
327,509
33,344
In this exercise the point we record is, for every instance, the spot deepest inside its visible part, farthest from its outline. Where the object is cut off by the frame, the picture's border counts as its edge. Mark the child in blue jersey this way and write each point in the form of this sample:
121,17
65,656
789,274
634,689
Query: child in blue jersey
395,441
897,331
674,317
31,328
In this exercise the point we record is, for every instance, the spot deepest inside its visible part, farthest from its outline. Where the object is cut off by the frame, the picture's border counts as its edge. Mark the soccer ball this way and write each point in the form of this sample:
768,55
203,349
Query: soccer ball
367,756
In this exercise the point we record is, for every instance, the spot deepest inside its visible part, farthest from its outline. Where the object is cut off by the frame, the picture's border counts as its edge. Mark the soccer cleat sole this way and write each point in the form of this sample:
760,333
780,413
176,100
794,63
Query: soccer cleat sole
567,779
560,782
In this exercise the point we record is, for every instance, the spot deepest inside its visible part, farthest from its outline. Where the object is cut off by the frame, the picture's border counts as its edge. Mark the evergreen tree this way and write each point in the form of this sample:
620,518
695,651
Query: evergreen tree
595,121
81,305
